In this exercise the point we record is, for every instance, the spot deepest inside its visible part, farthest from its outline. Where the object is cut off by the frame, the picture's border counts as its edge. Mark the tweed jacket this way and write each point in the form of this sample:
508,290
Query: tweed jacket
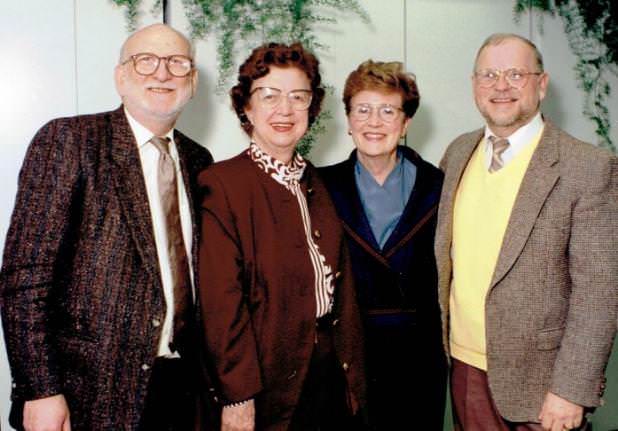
257,288
80,283
551,309
400,278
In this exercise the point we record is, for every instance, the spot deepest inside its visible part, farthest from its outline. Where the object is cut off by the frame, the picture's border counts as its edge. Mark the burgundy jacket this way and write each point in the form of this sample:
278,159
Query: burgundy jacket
257,288
80,286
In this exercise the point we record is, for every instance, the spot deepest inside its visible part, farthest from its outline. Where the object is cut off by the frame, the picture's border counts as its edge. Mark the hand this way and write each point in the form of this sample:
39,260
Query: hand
47,414
238,418
558,414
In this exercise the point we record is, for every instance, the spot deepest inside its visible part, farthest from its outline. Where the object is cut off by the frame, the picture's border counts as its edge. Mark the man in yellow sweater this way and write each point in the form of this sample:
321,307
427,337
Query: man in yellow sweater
527,252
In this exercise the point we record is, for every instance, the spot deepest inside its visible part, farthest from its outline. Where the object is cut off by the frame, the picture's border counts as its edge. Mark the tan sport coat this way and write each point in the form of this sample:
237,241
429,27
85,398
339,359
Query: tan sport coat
552,305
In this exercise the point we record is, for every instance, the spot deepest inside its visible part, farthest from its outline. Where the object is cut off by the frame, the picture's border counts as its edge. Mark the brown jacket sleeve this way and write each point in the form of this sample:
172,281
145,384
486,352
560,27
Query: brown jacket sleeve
33,254
230,337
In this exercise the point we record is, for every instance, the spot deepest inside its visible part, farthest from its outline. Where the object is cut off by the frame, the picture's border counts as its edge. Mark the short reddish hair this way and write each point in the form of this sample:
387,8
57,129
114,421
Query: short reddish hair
258,65
384,77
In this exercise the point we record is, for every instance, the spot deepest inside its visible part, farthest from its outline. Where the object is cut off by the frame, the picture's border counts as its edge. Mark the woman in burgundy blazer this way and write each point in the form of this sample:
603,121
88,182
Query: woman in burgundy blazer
281,323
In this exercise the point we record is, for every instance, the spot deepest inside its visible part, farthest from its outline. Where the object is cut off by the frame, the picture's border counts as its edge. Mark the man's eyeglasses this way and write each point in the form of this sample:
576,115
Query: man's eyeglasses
516,78
270,97
387,113
146,64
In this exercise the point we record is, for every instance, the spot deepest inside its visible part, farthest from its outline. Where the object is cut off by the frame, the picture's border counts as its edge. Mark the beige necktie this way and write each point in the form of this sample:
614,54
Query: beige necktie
179,264
499,146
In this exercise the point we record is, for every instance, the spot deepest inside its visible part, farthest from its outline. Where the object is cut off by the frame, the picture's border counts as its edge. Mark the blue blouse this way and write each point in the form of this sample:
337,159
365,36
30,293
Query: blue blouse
384,204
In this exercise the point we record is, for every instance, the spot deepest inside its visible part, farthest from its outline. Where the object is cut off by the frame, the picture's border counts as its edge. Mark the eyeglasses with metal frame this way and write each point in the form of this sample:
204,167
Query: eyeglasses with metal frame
516,78
146,64
270,97
386,112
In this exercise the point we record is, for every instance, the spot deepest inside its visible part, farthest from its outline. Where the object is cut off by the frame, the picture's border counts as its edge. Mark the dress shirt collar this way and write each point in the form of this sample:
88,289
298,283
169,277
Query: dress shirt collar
522,137
141,133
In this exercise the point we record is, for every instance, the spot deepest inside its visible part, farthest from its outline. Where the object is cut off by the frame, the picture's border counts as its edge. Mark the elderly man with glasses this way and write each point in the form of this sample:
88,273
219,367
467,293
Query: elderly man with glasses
527,253
96,285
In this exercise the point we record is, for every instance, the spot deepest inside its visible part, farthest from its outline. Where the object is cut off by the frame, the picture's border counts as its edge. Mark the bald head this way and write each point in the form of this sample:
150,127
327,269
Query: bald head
498,38
155,34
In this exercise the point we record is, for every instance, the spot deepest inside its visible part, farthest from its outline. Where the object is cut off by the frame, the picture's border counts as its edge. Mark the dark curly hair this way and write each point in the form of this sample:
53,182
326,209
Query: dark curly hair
257,66
387,77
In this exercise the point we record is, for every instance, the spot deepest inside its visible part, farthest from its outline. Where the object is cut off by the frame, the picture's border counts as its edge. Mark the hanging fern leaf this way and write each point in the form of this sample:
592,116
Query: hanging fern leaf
130,12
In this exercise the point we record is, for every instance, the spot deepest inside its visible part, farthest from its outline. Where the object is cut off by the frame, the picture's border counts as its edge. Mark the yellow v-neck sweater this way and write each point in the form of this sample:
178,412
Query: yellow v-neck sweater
483,205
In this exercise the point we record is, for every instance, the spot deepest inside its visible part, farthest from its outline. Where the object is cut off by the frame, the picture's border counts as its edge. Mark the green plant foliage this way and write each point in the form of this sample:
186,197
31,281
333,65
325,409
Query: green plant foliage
248,23
130,12
258,21
591,27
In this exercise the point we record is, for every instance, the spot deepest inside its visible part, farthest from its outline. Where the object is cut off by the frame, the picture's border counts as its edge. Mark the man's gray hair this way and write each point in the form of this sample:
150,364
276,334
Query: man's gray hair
498,38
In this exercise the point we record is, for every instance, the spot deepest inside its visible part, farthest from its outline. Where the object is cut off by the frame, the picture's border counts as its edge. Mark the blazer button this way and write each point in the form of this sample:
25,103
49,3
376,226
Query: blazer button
335,322
14,385
310,190
156,323
345,366
145,367
317,233
337,275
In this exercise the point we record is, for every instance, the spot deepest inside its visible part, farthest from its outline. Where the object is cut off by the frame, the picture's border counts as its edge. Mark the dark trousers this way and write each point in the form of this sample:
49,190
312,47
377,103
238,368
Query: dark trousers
322,405
171,397
473,407
406,384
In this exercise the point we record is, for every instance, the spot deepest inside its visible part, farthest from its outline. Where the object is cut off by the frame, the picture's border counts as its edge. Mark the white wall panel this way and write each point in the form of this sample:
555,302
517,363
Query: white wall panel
38,68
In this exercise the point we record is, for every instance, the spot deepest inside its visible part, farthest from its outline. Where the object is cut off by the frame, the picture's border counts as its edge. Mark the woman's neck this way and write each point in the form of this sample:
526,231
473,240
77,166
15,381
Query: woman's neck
379,166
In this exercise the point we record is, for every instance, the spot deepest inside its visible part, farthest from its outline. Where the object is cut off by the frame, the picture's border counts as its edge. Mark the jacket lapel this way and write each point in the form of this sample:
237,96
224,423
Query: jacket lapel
184,157
351,210
421,205
539,179
131,188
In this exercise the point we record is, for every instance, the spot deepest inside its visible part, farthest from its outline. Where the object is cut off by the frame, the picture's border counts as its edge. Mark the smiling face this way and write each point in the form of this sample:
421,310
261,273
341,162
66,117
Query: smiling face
505,108
277,130
156,100
375,138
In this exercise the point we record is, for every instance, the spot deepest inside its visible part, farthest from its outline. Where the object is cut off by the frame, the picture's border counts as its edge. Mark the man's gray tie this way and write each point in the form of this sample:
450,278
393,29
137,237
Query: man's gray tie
499,146
179,264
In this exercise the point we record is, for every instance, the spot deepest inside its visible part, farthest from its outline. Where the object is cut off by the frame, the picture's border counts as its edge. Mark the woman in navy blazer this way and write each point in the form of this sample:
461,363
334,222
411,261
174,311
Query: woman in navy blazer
387,199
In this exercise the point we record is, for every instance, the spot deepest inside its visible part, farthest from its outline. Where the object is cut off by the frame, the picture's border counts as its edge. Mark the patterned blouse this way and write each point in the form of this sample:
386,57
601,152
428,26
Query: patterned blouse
289,176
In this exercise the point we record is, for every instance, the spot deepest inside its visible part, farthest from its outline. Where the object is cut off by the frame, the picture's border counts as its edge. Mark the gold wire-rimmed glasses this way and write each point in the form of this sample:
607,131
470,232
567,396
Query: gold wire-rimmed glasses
516,78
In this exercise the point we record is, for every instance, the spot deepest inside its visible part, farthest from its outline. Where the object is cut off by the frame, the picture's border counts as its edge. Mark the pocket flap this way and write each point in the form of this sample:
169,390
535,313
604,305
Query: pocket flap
549,339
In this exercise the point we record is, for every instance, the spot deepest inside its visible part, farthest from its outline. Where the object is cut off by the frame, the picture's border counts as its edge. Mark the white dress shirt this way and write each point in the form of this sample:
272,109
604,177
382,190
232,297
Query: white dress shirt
517,141
149,157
